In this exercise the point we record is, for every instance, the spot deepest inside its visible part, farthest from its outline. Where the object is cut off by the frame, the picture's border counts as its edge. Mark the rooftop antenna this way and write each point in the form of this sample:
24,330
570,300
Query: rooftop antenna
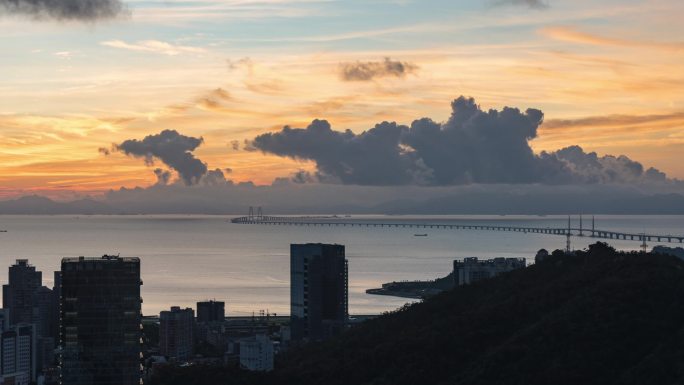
568,247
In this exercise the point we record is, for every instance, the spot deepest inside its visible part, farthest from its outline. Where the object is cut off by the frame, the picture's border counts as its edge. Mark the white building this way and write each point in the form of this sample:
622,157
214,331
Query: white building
471,270
256,353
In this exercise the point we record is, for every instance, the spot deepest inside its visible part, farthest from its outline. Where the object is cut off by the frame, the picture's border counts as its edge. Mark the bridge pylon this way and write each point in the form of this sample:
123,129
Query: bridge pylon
568,246
644,246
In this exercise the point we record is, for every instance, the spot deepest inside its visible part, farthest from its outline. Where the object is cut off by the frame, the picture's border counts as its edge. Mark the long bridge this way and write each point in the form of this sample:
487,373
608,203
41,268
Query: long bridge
259,219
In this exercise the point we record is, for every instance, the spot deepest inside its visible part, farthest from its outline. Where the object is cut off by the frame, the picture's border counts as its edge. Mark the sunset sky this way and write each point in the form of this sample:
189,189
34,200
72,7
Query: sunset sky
608,75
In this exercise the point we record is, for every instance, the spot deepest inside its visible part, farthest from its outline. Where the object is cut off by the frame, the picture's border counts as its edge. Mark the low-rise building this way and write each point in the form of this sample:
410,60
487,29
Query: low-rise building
256,353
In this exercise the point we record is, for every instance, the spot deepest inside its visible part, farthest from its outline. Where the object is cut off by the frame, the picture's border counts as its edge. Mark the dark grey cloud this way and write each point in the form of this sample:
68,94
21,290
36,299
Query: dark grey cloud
366,71
590,168
476,146
303,176
373,157
214,177
173,149
538,4
65,10
248,146
472,147
163,176
104,151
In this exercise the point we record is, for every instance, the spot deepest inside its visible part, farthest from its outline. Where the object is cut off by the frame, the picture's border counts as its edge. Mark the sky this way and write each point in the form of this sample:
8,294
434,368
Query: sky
86,99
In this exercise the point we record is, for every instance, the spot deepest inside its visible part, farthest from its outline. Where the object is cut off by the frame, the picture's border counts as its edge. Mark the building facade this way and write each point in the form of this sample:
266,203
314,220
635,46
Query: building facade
211,311
18,356
256,353
471,270
176,337
318,290
100,332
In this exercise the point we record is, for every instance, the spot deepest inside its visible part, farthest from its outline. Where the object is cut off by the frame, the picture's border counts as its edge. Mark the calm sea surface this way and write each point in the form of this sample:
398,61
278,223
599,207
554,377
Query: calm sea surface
190,258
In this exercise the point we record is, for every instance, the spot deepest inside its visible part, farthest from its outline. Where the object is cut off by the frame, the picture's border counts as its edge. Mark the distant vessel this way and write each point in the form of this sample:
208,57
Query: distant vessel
420,235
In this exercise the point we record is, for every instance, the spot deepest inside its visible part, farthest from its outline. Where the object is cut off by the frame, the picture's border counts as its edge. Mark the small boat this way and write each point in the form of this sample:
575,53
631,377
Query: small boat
420,235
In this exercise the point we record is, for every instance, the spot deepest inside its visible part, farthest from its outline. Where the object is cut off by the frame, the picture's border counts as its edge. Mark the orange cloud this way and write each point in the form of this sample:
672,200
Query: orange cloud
572,35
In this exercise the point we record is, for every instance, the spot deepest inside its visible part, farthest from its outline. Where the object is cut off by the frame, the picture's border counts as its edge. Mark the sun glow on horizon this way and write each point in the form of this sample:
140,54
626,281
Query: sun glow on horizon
228,71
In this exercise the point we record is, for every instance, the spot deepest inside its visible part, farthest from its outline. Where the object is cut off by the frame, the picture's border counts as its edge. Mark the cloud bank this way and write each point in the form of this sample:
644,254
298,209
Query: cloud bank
65,10
367,71
472,147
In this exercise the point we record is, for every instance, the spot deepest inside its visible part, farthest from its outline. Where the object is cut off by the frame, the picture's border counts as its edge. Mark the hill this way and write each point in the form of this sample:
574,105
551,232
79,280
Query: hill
598,317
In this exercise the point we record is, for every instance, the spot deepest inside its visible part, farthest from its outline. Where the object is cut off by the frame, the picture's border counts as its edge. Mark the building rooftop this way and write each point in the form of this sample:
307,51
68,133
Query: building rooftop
315,244
114,258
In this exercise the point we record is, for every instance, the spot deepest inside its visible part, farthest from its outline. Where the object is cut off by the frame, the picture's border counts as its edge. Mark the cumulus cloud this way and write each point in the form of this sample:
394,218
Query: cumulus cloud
590,168
478,146
171,148
472,146
366,71
370,158
65,10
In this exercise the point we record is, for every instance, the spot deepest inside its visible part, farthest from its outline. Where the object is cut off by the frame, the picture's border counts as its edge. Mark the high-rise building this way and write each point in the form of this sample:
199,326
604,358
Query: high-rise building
318,290
176,339
45,318
100,330
18,293
471,270
256,353
211,311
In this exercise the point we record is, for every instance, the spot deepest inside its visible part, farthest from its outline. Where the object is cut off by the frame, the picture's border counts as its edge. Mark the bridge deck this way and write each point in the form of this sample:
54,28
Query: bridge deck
574,231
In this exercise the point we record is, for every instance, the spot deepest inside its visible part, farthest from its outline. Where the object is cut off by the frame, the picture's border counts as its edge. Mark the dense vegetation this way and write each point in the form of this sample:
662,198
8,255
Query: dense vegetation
598,317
